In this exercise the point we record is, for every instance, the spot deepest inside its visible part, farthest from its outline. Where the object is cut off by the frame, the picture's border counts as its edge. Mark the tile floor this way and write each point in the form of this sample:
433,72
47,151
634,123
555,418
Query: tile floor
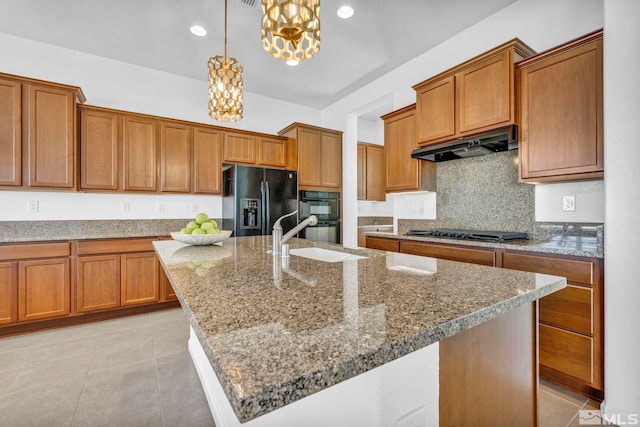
136,371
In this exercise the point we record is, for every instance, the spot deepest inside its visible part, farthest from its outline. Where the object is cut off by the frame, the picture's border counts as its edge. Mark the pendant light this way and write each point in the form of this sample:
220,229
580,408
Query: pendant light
225,84
291,29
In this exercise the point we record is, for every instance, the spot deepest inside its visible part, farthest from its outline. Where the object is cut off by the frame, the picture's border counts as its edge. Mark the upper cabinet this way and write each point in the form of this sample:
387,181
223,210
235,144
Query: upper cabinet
123,151
255,149
38,133
401,171
317,155
473,97
371,183
561,112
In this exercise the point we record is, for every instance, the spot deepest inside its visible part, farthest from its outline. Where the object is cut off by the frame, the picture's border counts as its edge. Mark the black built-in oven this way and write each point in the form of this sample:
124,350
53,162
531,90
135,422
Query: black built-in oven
326,206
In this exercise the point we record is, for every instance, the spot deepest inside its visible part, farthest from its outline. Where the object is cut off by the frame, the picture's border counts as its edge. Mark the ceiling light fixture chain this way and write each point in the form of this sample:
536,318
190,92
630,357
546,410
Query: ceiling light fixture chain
225,84
291,29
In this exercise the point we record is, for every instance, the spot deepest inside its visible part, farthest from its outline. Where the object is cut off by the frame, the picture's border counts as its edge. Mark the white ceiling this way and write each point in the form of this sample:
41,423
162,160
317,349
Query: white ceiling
382,35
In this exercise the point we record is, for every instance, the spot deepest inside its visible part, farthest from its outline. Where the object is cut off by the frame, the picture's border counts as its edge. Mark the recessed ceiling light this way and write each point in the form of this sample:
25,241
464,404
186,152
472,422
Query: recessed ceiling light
293,62
345,12
198,30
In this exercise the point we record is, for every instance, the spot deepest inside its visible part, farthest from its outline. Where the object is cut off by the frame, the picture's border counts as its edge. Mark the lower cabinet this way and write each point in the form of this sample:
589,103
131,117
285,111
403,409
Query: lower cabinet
35,281
571,321
116,273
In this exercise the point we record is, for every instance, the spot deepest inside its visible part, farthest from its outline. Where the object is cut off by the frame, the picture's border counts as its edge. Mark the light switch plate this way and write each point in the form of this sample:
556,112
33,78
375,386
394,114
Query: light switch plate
569,203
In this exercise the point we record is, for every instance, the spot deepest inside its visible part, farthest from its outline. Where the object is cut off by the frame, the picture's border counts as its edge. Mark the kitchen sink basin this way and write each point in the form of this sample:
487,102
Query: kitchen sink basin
325,255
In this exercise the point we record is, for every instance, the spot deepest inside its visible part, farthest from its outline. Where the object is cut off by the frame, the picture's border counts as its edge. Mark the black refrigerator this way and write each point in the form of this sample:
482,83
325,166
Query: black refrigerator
253,198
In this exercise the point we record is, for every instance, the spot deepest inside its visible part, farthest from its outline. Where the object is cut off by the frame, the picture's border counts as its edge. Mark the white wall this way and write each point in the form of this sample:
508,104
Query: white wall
115,84
542,24
589,197
622,188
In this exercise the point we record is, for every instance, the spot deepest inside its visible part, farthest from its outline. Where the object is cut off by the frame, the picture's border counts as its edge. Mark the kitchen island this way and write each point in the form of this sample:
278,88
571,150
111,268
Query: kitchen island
388,339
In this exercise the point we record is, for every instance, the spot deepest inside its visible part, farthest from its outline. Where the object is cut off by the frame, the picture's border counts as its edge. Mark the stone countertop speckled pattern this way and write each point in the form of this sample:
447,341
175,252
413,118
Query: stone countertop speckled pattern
278,330
559,245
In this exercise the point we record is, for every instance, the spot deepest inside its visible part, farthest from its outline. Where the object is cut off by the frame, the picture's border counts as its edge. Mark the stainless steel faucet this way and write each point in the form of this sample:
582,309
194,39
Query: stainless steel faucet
279,239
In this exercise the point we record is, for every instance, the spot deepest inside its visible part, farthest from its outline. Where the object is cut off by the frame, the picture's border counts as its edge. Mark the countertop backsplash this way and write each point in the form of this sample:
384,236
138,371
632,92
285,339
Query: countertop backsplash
364,221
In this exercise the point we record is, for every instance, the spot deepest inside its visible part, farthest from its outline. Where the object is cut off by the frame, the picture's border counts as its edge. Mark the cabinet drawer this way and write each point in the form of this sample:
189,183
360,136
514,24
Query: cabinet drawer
567,352
570,308
578,271
96,247
474,256
383,244
34,250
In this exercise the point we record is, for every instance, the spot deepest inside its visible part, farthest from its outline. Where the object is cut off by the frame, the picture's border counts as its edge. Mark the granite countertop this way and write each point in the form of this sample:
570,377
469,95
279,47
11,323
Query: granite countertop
560,245
276,330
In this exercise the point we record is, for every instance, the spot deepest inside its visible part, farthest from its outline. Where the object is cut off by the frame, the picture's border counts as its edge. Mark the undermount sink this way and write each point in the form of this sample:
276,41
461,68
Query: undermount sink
326,255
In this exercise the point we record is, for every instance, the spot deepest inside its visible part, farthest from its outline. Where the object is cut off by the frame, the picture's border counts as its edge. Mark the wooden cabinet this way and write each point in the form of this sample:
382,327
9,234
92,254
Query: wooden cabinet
272,152
450,252
318,156
207,161
115,273
402,173
255,149
571,320
8,292
166,290
139,153
140,279
175,157
371,182
384,244
474,97
35,281
123,151
10,132
561,113
37,133
362,233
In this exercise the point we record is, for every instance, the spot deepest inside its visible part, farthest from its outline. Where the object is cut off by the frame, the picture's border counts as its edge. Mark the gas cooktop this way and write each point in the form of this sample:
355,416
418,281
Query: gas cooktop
485,236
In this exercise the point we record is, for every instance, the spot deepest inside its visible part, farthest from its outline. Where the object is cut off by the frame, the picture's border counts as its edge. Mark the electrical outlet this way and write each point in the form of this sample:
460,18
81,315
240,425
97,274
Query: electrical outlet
126,207
569,203
33,206
160,207
194,208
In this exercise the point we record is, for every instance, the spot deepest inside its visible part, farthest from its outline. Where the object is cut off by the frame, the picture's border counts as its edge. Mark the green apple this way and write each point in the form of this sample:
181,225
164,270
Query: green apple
201,218
215,224
198,231
186,230
193,225
206,226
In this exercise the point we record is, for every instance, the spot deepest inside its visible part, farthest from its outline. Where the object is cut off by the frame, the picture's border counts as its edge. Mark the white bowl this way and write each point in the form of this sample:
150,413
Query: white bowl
201,239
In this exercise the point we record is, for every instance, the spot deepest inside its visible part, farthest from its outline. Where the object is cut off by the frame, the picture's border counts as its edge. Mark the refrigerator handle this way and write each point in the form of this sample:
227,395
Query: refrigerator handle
267,213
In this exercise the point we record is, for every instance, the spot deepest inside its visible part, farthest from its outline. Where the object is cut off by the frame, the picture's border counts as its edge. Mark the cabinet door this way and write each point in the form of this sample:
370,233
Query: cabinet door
375,173
402,172
485,94
309,171
168,294
331,160
99,150
51,137
207,161
10,133
44,289
175,158
272,152
139,153
561,107
453,253
435,110
140,279
239,148
98,282
362,172
8,292
567,352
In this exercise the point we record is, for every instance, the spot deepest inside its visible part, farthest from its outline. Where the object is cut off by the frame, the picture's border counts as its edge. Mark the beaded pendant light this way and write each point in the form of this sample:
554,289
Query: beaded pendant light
291,29
225,84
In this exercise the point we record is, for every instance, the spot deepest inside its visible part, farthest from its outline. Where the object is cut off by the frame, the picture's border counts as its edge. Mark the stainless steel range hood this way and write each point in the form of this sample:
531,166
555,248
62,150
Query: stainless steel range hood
502,139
